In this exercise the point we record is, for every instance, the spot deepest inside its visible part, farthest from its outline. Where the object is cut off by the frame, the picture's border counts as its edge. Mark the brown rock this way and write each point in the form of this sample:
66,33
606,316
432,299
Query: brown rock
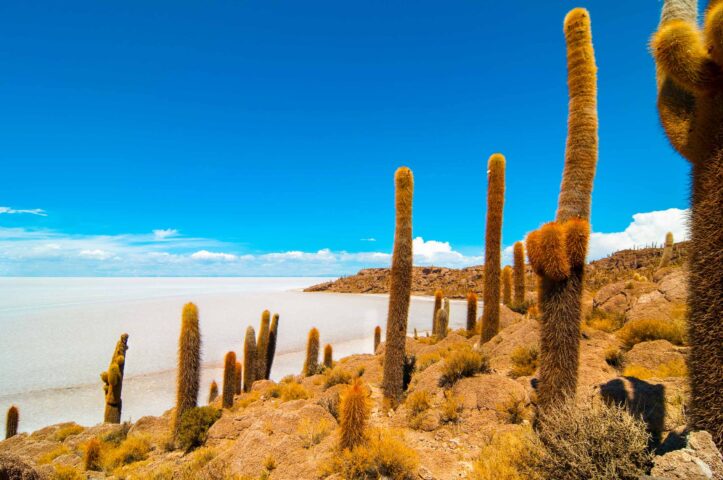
653,354
14,468
699,460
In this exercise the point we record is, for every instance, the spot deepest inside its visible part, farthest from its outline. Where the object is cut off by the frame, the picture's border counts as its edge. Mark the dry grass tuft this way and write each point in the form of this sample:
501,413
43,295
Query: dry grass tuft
291,390
673,368
67,431
644,329
451,408
506,456
418,402
312,433
605,321
132,449
66,472
462,363
525,360
614,357
336,376
513,411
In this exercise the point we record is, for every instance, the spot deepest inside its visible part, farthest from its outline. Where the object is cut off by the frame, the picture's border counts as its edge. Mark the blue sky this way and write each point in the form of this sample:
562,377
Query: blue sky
266,134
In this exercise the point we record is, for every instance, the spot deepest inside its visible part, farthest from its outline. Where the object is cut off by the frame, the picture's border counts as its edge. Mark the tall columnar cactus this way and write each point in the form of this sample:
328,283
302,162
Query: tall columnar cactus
518,273
438,296
445,307
271,350
189,364
11,422
557,250
507,285
311,364
471,312
493,241
328,352
229,380
212,392
249,359
113,382
399,289
354,409
239,378
262,345
690,104
667,251
442,323
377,337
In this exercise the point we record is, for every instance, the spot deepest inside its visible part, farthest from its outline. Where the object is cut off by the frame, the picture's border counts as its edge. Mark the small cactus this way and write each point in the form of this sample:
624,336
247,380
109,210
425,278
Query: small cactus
311,364
239,378
189,364
518,274
229,379
471,312
91,459
249,359
667,251
438,296
213,392
507,285
328,360
113,382
11,423
354,412
442,323
271,350
415,334
262,345
493,242
377,337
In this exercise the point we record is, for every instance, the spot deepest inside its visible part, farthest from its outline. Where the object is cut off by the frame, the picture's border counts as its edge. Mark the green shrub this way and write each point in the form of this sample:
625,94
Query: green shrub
462,363
193,429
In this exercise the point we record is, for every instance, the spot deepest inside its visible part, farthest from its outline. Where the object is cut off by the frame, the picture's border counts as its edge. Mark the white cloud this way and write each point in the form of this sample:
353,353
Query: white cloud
370,239
432,252
96,254
213,256
31,211
162,234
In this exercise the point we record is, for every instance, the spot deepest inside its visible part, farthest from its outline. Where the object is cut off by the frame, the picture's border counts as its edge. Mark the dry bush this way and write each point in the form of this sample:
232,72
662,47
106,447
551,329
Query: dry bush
91,459
116,436
525,360
312,433
673,368
462,363
513,411
336,376
451,408
384,455
426,360
194,425
132,449
605,321
66,472
198,460
417,403
592,440
614,357
67,431
53,454
246,399
506,456
646,329
289,391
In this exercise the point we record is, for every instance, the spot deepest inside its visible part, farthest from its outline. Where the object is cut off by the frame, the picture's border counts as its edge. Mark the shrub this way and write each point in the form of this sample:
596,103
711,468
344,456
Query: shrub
525,360
312,433
594,441
605,321
336,376
513,410
461,363
427,359
67,431
53,454
66,472
331,404
384,455
116,436
247,399
293,391
646,329
91,460
673,368
132,449
614,357
505,457
451,408
417,403
191,470
193,429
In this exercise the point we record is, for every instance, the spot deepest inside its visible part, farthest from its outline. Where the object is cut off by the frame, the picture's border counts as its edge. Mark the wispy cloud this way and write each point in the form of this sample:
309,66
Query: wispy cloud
162,234
370,239
31,211
213,256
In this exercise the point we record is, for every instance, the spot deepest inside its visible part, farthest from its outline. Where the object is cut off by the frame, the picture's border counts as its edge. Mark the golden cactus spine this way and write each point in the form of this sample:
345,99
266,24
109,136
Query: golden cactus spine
249,359
377,337
507,285
442,323
11,422
354,409
471,312
239,378
212,392
400,288
262,345
667,251
328,360
557,250
493,242
690,105
229,380
113,382
311,364
189,364
271,350
437,305
518,273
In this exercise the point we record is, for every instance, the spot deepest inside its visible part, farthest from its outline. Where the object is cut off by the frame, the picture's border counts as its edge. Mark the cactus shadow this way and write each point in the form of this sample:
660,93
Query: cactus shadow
641,399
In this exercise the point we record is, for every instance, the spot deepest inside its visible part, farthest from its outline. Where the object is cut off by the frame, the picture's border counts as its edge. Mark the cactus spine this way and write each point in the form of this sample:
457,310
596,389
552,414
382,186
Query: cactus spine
690,106
189,364
353,415
11,422
238,384
437,306
213,392
557,250
518,273
271,350
377,337
311,364
262,345
249,359
507,285
400,288
328,360
113,382
442,323
471,312
229,379
667,251
493,240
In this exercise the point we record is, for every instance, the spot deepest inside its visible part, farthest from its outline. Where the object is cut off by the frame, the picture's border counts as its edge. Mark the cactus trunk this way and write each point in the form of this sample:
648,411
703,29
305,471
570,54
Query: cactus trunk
471,312
493,240
311,364
189,364
113,382
377,337
229,379
11,422
354,412
507,286
271,350
262,345
518,274
249,359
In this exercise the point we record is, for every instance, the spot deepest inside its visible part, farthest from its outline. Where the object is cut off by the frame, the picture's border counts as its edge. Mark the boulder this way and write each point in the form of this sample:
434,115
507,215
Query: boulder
653,354
698,460
13,467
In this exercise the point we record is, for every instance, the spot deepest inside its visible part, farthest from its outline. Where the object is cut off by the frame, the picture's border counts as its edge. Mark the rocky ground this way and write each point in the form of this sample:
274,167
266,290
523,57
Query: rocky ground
290,430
